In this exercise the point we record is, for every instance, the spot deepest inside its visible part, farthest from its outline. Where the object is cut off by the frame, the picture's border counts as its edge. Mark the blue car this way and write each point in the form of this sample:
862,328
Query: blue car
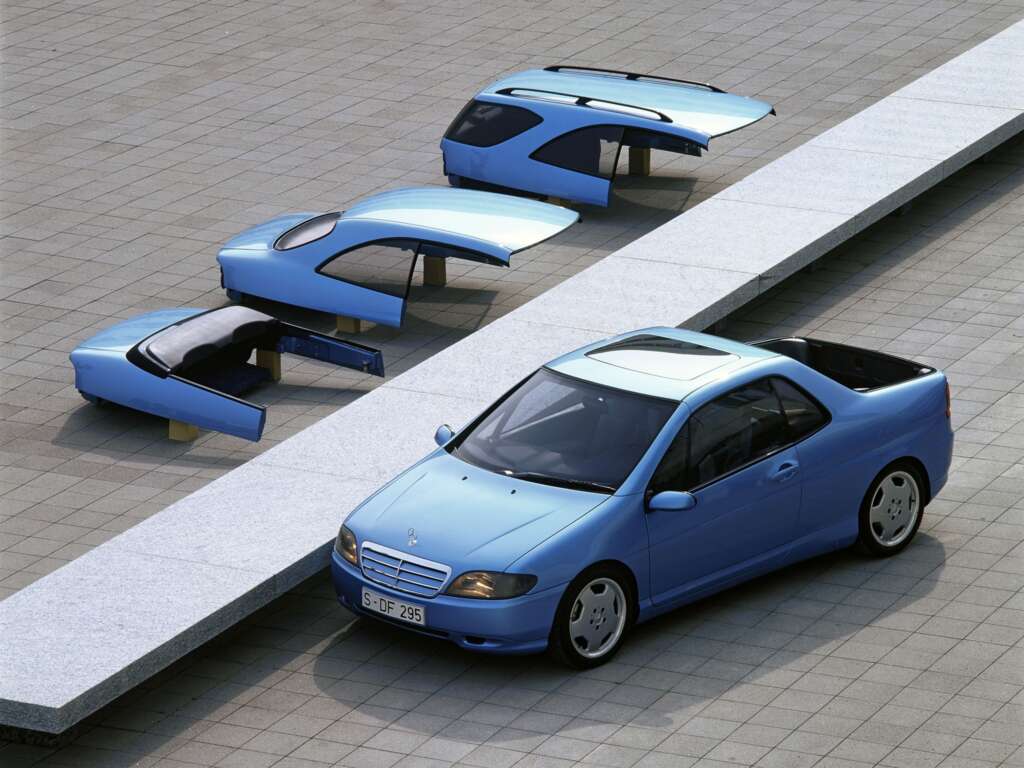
559,131
191,365
641,473
359,263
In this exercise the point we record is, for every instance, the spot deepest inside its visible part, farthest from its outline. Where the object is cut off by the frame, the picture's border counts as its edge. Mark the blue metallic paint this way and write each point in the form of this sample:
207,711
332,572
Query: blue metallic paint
697,115
103,372
487,226
748,523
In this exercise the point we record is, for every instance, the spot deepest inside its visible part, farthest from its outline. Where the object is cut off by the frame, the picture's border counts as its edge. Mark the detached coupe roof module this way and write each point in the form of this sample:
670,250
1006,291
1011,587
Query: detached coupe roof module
558,131
359,263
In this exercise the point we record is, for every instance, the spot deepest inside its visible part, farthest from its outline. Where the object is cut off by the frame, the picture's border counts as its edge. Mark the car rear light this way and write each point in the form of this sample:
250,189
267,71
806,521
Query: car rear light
949,402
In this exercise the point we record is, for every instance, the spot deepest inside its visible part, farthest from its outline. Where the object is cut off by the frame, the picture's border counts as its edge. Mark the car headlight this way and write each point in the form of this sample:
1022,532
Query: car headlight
345,545
488,585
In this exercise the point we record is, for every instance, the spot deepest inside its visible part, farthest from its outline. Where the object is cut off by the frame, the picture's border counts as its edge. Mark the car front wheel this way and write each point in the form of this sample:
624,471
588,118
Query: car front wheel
891,511
592,618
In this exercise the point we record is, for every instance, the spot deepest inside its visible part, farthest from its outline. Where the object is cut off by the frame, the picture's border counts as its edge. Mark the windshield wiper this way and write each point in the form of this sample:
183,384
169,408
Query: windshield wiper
564,482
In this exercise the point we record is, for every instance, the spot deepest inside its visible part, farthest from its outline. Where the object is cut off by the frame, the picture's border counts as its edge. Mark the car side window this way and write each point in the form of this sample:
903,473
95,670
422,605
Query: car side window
803,413
484,124
384,265
733,430
593,150
671,472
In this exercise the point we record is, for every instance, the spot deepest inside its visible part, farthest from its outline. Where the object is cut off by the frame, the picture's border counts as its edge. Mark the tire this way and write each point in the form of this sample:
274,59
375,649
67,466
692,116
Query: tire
234,295
455,180
605,594
892,509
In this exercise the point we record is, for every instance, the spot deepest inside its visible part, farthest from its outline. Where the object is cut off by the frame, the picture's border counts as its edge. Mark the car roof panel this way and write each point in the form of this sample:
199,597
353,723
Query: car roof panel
671,373
505,222
700,108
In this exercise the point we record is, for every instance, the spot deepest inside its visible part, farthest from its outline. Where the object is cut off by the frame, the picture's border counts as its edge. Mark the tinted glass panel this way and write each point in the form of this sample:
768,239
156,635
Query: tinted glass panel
593,150
483,124
734,430
671,472
564,431
307,231
662,356
802,412
384,266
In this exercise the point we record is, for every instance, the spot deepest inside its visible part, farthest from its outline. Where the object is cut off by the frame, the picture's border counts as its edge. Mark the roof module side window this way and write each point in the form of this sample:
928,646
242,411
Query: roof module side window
385,266
593,150
484,124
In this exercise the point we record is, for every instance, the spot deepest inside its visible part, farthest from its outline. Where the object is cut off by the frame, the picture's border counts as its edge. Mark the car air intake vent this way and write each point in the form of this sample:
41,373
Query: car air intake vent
399,570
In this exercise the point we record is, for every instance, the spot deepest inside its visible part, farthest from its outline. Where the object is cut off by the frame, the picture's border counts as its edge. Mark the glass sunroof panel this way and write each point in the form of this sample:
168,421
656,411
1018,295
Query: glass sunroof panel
662,356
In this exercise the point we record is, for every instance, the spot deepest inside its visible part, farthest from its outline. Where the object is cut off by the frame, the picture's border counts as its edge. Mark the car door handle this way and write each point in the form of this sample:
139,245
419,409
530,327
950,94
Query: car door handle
786,471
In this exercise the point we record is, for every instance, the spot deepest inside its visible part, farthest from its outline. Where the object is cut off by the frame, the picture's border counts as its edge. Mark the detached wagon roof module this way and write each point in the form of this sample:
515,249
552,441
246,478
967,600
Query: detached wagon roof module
558,131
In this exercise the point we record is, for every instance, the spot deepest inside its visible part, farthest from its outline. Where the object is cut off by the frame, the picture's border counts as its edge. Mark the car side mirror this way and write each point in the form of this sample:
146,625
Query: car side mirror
671,501
444,434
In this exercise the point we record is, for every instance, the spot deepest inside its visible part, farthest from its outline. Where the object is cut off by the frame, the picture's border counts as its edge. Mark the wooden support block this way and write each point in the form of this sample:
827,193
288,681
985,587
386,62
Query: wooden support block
639,161
435,271
348,324
271,360
181,432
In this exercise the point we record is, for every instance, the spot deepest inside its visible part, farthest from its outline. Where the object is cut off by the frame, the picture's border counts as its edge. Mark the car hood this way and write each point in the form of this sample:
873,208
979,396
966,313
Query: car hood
465,517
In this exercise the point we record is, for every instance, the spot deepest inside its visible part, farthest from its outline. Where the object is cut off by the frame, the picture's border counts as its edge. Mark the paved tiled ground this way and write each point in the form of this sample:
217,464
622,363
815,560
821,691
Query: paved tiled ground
137,136
842,662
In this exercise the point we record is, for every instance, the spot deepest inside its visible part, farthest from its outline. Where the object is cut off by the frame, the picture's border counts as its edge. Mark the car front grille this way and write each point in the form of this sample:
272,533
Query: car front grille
402,571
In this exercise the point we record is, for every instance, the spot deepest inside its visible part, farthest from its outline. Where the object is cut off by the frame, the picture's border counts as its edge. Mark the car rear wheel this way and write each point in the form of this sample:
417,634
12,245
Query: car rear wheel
891,511
592,618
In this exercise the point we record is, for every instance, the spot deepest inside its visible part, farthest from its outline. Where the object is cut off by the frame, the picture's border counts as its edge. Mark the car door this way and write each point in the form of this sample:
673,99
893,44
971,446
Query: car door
735,455
318,346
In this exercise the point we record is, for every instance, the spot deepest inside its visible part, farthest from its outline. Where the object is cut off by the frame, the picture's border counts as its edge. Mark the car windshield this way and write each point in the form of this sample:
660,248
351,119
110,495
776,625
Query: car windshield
559,430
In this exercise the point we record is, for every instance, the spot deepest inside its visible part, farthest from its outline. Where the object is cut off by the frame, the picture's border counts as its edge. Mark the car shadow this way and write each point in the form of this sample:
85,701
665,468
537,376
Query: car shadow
765,632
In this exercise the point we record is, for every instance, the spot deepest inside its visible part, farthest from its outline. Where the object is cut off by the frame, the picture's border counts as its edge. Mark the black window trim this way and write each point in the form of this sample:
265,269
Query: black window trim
615,164
477,256
477,100
789,444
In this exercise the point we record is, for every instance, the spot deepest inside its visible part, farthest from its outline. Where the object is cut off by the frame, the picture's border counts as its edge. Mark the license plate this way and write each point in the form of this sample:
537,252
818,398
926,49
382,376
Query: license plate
395,609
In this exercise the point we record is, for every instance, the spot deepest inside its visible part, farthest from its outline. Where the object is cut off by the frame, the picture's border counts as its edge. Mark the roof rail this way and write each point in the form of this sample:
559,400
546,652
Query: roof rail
631,76
585,101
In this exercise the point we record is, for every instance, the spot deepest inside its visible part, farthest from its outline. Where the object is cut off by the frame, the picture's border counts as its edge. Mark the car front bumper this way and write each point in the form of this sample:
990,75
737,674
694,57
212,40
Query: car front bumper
518,625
